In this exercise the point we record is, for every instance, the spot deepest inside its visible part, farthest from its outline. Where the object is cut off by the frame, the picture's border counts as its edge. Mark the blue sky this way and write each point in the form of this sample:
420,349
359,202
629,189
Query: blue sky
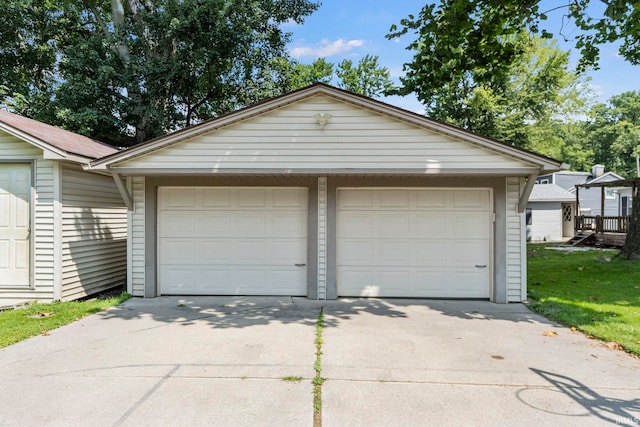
350,29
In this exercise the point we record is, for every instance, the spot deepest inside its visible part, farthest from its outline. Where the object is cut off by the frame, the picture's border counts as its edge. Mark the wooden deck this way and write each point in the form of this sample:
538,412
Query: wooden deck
600,230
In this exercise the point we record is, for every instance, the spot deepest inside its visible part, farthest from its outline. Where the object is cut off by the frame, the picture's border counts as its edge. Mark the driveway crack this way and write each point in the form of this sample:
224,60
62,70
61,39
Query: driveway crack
146,396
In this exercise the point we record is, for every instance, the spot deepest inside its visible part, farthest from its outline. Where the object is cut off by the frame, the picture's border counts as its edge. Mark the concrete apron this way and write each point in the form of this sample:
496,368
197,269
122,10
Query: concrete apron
221,361
413,362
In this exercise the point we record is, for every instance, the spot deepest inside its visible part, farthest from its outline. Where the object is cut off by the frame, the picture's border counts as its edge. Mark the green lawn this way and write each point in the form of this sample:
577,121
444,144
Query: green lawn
35,319
592,291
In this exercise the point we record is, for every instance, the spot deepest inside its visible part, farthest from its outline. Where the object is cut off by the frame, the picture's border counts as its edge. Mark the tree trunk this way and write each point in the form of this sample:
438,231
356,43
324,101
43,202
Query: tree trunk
631,248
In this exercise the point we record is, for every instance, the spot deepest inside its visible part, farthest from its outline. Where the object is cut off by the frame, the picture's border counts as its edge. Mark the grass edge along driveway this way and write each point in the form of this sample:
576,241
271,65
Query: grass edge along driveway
39,318
590,291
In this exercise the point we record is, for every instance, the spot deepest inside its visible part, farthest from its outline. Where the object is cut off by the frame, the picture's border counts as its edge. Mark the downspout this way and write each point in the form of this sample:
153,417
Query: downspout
526,192
124,192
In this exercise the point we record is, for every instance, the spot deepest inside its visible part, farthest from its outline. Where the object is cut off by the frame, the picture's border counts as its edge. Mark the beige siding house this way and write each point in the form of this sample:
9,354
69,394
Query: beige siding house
326,194
62,229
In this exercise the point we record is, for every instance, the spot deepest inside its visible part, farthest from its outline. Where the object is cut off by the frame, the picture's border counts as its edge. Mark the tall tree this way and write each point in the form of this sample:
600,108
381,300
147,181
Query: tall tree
126,71
482,36
613,133
366,78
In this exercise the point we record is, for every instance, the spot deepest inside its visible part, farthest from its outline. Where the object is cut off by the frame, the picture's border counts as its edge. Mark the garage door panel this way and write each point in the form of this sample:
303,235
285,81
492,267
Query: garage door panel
176,251
356,199
432,253
251,224
183,224
355,225
251,198
288,224
471,225
356,252
394,199
179,198
287,252
234,241
432,198
216,224
432,225
216,198
392,253
469,253
413,242
289,198
470,199
394,225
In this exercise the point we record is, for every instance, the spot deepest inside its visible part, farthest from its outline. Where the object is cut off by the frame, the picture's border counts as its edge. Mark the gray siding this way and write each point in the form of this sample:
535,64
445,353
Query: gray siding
94,231
590,198
569,181
546,221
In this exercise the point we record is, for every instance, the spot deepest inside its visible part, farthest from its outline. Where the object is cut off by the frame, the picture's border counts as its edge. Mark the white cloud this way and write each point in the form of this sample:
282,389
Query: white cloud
326,48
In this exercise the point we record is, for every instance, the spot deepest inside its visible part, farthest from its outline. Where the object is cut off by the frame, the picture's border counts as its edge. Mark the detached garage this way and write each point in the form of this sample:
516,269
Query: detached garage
324,193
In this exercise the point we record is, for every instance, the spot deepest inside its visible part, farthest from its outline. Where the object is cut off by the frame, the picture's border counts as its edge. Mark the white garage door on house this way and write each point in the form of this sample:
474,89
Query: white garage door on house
414,242
232,241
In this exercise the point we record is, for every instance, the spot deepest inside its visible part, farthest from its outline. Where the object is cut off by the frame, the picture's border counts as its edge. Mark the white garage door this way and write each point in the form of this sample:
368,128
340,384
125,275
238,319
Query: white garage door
232,241
414,242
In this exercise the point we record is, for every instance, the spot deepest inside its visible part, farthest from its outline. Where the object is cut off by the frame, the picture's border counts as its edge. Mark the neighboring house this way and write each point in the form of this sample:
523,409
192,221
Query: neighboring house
589,198
62,229
324,193
550,213
625,200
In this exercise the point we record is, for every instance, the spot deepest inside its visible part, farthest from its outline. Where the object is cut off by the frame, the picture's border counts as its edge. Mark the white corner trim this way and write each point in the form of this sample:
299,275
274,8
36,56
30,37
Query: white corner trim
57,231
322,238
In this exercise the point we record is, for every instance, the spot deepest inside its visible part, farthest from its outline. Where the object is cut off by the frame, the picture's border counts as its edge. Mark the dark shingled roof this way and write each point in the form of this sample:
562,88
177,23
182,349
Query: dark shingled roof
69,142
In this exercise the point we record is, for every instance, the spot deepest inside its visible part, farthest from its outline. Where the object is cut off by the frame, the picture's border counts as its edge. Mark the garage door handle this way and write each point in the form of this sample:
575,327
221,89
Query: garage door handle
481,266
300,265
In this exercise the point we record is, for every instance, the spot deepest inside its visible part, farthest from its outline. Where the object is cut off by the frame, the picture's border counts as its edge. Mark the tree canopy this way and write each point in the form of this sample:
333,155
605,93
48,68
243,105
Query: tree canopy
124,71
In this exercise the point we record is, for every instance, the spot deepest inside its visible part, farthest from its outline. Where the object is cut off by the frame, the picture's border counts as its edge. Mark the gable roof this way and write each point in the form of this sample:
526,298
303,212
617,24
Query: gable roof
58,142
605,177
538,161
550,193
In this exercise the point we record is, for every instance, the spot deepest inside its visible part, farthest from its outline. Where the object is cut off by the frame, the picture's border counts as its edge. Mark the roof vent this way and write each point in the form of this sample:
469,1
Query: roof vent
597,171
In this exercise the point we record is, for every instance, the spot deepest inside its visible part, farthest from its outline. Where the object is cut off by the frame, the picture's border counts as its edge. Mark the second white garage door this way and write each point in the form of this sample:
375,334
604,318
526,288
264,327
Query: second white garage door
232,241
414,242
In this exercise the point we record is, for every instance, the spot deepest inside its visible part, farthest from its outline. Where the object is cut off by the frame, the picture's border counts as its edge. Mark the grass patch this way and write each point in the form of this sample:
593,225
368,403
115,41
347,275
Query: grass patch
593,291
40,318
292,378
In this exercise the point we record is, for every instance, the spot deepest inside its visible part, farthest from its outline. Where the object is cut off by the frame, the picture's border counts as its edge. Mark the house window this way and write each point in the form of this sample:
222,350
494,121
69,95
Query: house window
543,181
609,194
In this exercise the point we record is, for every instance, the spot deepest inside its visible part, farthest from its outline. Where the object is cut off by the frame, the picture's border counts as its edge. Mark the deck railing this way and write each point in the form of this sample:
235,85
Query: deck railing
602,224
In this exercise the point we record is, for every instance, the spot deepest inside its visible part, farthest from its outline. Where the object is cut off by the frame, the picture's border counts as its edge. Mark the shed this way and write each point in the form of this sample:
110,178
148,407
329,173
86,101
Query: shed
550,213
323,193
62,229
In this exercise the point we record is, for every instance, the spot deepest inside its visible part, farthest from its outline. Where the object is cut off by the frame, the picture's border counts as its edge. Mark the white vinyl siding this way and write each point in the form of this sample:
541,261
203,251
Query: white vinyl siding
42,226
516,263
136,281
546,221
94,230
354,138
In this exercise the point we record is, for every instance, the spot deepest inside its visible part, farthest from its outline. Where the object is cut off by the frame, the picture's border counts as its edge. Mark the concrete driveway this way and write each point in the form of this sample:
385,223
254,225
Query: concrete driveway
222,361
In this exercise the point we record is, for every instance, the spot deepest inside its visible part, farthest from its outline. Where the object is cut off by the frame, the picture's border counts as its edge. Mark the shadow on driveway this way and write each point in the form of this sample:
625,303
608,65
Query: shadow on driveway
240,312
